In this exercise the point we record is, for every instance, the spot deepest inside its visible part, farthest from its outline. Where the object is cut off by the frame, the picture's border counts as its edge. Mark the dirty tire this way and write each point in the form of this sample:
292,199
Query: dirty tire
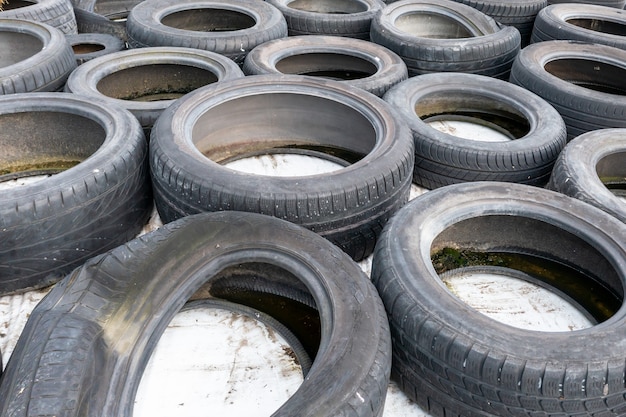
584,82
592,168
102,200
146,81
348,18
56,13
445,36
231,28
359,63
535,130
607,3
581,22
73,335
33,57
326,119
452,359
87,46
90,22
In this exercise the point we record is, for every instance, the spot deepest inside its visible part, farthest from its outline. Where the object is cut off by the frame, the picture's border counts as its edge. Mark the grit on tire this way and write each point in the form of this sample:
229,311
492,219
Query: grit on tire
445,36
279,114
592,168
581,22
535,130
87,46
452,359
608,3
56,13
148,80
97,198
359,63
348,18
94,332
231,28
33,57
583,81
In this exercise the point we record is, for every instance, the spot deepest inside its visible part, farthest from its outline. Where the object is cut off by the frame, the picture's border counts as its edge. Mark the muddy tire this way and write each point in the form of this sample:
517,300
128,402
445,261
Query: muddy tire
359,63
441,35
308,116
74,332
87,46
592,168
230,28
535,131
97,198
452,359
56,13
33,57
584,82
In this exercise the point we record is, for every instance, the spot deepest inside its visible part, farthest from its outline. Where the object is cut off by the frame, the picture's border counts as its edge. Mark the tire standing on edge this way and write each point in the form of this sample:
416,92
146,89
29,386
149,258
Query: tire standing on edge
452,359
93,334
285,114
97,195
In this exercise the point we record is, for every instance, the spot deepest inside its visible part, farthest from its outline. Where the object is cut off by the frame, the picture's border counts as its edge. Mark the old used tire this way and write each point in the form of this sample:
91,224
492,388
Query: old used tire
607,3
348,18
33,57
535,130
442,35
98,197
90,22
87,46
452,359
583,81
231,28
581,22
94,332
592,168
56,13
359,63
277,114
147,80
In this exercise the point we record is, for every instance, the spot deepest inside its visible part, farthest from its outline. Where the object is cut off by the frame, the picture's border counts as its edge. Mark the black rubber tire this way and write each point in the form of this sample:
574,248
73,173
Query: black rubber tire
102,200
348,18
453,360
581,22
146,81
87,46
608,3
356,62
84,335
196,24
33,57
536,130
590,167
444,36
559,71
89,22
285,114
56,13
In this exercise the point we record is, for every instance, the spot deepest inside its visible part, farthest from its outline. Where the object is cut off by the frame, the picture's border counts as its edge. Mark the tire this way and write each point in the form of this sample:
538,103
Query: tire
359,63
607,3
584,82
146,81
196,24
535,130
581,22
444,36
33,57
347,18
321,118
87,46
98,198
106,17
234,256
452,359
56,13
591,168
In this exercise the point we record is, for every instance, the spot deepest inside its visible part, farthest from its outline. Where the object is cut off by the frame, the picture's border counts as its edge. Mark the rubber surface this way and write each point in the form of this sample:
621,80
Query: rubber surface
87,46
56,13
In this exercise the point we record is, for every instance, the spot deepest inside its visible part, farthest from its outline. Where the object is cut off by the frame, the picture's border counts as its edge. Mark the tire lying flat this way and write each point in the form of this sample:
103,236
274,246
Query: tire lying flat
88,46
56,13
94,332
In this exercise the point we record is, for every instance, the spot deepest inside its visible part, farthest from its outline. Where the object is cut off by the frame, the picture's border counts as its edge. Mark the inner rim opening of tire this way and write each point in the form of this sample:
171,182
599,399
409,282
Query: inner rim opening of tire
599,25
427,24
594,75
87,48
16,47
209,20
16,4
329,6
283,123
334,66
611,170
536,252
45,142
